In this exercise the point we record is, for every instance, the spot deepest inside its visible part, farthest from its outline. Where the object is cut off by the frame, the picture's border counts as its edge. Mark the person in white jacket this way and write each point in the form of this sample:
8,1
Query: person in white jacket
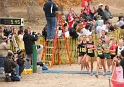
39,62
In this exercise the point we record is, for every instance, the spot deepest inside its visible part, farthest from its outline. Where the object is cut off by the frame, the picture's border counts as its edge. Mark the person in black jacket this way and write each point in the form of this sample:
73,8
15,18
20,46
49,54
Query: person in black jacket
101,12
29,41
122,61
11,68
50,9
73,32
20,61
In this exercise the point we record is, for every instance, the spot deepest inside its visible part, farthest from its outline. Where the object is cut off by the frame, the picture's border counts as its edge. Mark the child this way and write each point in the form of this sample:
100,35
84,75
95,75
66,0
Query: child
119,72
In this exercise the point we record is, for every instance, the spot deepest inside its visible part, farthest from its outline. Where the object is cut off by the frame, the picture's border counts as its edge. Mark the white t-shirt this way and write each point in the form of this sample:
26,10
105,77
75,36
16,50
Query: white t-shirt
67,34
86,32
104,28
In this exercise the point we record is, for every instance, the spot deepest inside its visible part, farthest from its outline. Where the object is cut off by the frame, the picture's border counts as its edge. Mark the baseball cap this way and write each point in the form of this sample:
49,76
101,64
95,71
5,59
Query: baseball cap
98,16
100,4
19,51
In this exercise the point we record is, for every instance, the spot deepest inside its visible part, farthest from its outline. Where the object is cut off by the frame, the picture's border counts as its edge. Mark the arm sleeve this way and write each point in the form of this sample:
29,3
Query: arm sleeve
35,37
7,46
55,7
106,16
40,49
13,64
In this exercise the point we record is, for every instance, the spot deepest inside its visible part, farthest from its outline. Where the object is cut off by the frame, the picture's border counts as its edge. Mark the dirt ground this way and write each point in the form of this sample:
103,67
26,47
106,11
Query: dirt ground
60,80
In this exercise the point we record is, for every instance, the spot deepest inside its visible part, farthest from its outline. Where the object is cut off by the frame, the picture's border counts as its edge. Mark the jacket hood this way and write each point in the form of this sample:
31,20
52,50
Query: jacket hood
25,36
100,23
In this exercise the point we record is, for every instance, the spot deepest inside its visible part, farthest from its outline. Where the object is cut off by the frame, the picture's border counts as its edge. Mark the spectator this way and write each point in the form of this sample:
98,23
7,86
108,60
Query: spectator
4,47
99,28
0,34
71,10
73,32
71,21
20,61
107,13
20,39
100,12
83,23
103,35
29,41
39,62
122,61
2,29
44,32
84,15
119,72
13,36
86,30
63,20
6,31
9,67
106,27
50,9
120,23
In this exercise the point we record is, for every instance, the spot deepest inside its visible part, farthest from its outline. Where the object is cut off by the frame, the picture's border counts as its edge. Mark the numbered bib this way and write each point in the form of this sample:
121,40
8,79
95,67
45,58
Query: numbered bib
83,50
119,53
113,53
99,52
90,51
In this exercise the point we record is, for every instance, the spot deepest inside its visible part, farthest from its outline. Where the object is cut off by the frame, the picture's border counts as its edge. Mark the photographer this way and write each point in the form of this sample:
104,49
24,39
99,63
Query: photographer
39,62
29,41
20,61
11,68
4,47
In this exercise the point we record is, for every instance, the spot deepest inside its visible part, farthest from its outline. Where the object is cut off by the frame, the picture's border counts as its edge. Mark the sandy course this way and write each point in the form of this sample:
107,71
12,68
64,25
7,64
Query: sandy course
59,80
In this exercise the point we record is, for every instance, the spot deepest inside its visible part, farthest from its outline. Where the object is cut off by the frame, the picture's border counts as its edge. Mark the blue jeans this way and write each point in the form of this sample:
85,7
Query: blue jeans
21,68
1,62
29,56
17,70
51,27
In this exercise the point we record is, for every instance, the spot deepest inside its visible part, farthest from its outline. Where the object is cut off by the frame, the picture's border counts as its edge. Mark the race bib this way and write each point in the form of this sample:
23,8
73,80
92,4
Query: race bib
107,50
90,51
83,50
99,52
119,53
113,53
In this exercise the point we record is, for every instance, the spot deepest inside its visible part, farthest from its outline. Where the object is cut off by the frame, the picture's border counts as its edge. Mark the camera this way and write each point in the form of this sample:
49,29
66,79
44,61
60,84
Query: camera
33,33
10,36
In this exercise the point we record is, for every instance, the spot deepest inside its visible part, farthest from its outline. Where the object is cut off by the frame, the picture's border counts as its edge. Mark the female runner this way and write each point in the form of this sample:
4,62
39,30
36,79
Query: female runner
106,47
100,57
113,48
90,52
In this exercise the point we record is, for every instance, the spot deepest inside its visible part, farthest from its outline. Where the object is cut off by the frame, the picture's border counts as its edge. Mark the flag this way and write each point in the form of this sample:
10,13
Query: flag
114,82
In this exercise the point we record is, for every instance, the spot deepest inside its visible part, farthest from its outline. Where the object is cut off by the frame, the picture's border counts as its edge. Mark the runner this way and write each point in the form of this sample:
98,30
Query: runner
100,58
79,49
113,48
82,54
106,47
119,49
90,52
